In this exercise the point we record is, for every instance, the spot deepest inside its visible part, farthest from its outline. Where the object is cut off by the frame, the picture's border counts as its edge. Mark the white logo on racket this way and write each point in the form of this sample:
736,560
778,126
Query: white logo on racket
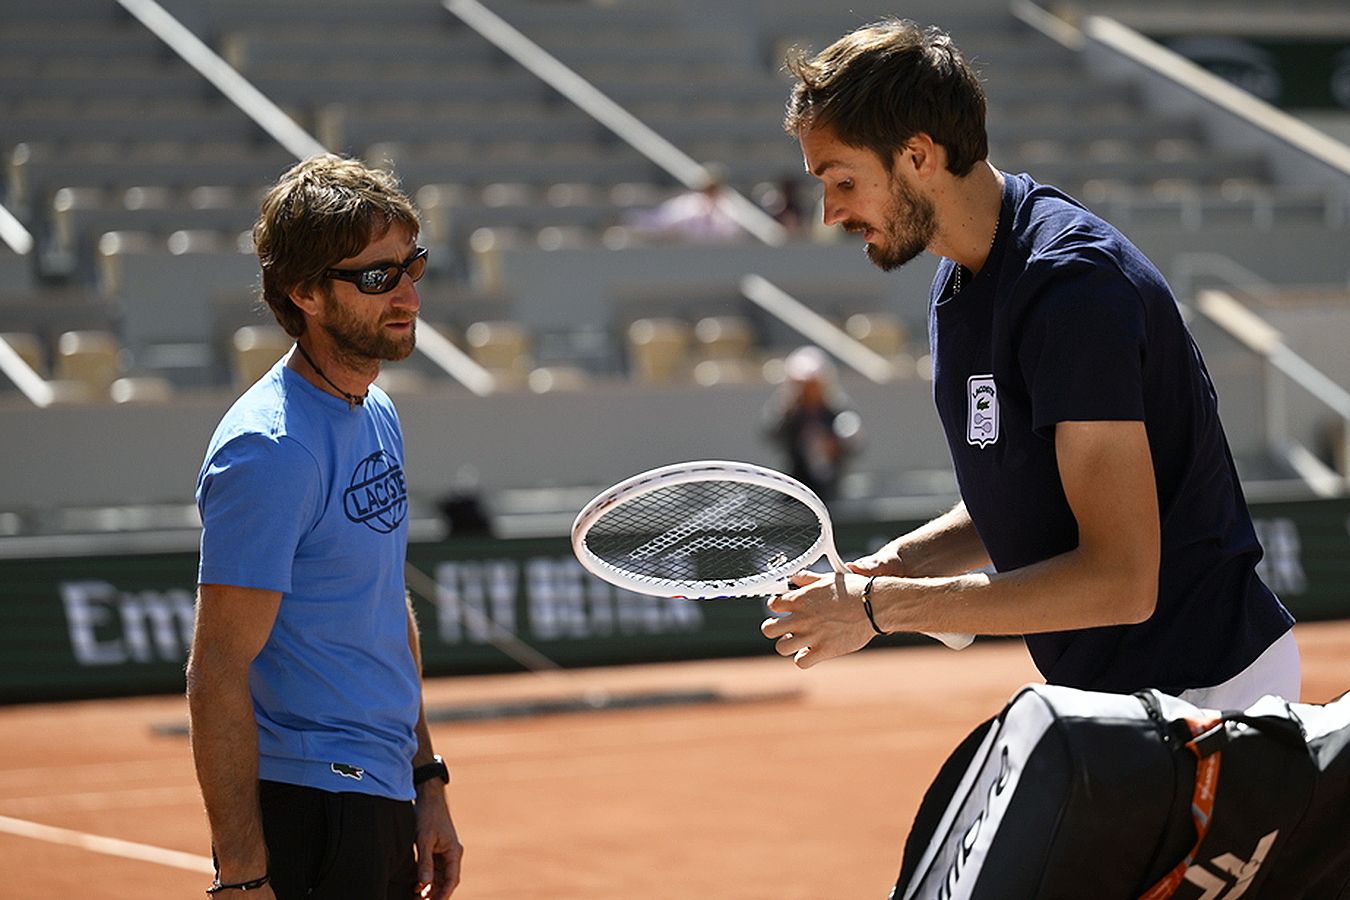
714,516
982,410
718,542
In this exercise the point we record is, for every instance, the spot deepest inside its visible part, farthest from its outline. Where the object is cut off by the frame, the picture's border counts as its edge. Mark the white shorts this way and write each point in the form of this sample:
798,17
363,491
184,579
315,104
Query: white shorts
1276,671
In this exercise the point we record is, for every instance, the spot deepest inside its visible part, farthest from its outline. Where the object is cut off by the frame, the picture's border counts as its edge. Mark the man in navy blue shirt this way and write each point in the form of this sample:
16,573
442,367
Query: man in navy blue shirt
1095,478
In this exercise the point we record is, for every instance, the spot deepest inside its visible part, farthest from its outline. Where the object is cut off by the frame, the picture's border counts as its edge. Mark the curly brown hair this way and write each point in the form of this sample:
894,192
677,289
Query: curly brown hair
880,85
321,211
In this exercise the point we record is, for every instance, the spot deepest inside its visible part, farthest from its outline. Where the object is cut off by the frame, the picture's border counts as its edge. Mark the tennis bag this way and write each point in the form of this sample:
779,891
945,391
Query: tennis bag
1077,794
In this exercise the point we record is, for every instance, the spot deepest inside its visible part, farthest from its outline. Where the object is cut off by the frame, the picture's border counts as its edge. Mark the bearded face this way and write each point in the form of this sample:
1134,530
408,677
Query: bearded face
908,229
365,338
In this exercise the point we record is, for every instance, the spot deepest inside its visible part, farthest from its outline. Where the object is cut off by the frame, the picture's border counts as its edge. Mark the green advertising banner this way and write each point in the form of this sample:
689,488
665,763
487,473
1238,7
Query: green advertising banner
1298,72
102,626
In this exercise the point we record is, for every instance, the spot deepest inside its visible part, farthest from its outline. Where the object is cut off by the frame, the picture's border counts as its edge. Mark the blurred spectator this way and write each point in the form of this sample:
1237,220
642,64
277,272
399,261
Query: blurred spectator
779,199
462,508
697,215
813,422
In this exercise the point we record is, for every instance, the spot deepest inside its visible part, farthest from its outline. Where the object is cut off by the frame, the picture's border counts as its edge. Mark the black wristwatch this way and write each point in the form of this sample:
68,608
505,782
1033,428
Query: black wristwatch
434,769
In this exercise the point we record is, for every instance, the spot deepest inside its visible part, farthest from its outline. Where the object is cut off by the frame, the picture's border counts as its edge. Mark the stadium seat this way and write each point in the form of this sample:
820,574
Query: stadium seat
724,337
658,350
486,246
566,237
714,372
112,248
565,194
254,350
549,379
510,193
882,332
90,359
141,389
503,348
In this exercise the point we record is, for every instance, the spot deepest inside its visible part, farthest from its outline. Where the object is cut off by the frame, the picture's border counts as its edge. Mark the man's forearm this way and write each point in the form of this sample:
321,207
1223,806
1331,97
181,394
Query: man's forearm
947,545
225,751
424,752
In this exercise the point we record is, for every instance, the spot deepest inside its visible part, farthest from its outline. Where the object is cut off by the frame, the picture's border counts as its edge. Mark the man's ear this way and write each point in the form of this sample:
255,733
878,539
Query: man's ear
920,155
309,300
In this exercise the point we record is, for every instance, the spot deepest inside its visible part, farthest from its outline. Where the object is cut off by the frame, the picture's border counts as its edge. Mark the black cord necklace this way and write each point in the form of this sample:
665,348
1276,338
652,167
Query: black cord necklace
353,400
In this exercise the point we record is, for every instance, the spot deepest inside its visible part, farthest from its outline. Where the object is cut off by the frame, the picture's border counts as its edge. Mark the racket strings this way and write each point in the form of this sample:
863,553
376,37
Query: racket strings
711,531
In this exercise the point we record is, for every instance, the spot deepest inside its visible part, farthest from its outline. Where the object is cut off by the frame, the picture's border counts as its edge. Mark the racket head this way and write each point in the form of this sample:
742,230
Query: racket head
702,530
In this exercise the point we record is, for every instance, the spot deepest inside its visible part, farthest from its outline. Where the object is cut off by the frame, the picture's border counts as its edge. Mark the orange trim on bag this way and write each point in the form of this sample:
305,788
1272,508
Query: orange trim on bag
1202,807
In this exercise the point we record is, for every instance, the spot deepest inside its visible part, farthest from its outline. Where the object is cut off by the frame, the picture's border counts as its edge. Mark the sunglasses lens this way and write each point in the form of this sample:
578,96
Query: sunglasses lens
378,281
417,267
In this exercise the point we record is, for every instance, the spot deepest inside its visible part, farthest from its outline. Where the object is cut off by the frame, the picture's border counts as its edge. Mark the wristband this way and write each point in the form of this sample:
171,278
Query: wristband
434,769
867,605
251,885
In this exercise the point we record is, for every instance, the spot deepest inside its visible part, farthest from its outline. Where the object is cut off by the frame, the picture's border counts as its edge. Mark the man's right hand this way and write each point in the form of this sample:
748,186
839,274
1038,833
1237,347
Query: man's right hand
885,561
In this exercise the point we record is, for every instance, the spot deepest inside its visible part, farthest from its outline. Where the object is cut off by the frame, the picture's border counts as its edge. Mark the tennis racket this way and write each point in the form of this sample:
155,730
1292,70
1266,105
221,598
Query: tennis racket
708,529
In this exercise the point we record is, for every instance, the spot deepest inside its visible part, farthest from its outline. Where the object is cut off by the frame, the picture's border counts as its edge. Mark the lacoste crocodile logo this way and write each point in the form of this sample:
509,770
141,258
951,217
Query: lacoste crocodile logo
347,771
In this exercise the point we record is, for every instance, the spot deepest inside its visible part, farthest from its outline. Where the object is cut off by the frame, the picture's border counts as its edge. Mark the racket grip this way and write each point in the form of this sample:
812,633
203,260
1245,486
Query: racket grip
953,640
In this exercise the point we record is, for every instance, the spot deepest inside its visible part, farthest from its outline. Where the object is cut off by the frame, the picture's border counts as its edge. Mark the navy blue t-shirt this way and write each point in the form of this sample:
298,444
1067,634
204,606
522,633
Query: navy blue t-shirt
1068,321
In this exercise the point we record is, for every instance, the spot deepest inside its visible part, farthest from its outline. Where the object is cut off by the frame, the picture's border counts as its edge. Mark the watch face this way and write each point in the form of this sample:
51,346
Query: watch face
431,770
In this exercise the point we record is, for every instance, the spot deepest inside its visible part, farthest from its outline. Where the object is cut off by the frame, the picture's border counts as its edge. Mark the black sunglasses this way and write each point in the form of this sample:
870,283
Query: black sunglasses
384,278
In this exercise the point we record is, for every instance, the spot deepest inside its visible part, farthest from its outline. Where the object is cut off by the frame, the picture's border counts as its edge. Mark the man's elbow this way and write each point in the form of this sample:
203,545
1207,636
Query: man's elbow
209,674
197,680
1137,599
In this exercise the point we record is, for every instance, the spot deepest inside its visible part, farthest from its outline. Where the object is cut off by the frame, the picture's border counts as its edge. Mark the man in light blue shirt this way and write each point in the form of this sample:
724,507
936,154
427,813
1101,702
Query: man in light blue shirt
304,683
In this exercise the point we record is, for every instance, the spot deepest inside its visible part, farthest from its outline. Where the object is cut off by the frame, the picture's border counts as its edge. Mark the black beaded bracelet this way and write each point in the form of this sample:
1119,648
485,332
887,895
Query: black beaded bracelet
867,605
216,887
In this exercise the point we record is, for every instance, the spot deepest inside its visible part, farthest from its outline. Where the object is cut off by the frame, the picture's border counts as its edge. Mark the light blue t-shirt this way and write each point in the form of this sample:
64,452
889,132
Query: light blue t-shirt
302,494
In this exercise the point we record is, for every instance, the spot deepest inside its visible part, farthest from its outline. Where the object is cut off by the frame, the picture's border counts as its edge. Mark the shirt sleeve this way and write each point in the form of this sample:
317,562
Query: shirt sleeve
1082,347
257,496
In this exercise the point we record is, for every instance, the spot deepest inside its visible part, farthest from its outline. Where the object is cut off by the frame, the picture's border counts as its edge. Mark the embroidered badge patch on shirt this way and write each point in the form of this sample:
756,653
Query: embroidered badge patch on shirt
981,410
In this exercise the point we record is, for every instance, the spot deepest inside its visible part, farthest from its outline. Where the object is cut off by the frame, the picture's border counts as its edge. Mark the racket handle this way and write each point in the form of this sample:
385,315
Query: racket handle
955,641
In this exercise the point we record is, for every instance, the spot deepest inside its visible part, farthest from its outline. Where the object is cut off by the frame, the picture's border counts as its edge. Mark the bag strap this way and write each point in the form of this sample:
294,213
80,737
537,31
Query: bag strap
1207,736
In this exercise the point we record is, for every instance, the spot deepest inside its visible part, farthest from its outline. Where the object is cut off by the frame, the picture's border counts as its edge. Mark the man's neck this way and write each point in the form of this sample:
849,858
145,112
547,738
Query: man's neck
319,364
968,221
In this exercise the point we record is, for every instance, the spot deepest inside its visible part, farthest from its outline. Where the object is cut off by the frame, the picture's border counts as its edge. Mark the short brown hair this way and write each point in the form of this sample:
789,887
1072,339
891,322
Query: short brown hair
323,210
882,84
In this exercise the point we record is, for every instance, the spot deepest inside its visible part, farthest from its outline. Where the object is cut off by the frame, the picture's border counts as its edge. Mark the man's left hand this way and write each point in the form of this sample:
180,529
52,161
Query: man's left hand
819,619
439,852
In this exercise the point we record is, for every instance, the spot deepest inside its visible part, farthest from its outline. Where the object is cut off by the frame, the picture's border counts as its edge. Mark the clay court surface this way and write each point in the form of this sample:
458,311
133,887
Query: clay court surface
794,785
